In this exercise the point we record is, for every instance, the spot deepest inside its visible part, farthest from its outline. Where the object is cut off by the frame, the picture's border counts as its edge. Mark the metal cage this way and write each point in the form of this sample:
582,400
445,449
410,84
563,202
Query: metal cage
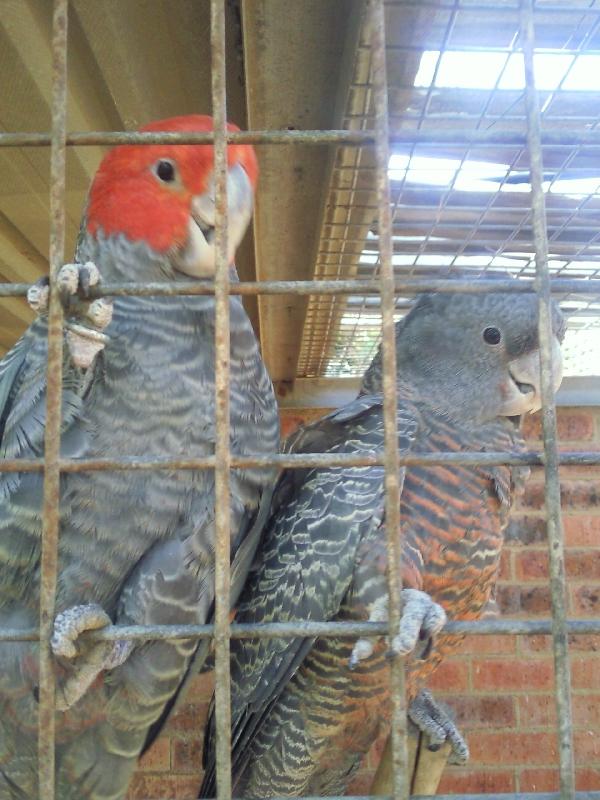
386,286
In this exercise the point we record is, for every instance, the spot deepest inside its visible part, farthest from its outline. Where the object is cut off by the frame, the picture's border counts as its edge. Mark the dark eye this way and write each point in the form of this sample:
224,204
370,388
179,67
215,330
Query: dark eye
165,171
492,336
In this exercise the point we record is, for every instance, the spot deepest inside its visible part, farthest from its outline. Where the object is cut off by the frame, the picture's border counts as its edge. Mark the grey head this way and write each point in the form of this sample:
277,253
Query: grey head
472,357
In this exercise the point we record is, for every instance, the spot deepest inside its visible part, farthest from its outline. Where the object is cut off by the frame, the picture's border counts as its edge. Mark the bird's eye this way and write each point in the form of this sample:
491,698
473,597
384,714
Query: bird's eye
165,171
492,336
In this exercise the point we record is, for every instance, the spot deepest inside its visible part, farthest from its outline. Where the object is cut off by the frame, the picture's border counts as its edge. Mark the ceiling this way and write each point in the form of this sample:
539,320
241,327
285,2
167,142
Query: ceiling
307,65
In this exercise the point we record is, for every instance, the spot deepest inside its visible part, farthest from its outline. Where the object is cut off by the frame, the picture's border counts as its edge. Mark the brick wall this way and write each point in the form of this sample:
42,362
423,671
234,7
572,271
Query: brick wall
500,687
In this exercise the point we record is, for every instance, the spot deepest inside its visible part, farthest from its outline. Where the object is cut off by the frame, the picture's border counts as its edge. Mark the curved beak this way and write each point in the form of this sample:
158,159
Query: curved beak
197,258
522,393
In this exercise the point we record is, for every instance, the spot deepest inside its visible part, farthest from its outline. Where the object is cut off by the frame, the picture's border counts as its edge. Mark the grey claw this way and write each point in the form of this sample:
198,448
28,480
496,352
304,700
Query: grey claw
435,720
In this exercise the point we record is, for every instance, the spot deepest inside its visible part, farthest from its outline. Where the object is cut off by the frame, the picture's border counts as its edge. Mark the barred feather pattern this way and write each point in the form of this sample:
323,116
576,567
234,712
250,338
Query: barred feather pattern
302,719
141,544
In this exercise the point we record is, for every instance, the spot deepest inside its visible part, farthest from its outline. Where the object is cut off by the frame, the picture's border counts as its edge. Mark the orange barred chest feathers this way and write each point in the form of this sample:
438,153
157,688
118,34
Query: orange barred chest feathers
453,518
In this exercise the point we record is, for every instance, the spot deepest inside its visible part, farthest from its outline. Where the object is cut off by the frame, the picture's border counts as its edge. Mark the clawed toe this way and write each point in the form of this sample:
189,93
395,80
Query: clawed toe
435,720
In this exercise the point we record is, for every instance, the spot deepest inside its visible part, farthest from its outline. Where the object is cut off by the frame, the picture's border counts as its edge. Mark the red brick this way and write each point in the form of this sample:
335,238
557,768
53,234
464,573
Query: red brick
583,564
587,779
514,674
462,781
186,755
531,565
546,780
489,645
190,718
513,748
472,711
581,643
505,568
539,711
538,780
585,673
582,531
585,600
587,747
523,530
200,688
159,787
586,643
575,494
571,426
158,757
536,643
532,600
451,676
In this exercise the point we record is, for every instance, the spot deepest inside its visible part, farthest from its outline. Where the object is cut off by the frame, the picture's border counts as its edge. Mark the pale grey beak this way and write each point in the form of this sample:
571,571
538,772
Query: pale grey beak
522,393
197,258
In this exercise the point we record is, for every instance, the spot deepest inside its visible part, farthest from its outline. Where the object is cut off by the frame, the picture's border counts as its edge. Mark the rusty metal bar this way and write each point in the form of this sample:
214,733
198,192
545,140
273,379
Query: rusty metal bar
302,461
222,418
495,796
50,502
552,480
399,732
500,137
300,628
558,8
326,287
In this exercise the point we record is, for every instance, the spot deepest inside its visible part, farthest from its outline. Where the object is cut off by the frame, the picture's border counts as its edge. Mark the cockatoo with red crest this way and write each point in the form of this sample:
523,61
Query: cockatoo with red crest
135,547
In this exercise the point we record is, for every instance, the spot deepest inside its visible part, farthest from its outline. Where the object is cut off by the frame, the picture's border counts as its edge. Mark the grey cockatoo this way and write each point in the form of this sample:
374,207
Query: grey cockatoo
135,547
304,712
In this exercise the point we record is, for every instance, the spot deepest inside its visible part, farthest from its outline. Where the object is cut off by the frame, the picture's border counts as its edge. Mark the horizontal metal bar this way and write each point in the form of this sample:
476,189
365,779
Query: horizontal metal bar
326,287
495,796
558,8
301,628
301,461
502,137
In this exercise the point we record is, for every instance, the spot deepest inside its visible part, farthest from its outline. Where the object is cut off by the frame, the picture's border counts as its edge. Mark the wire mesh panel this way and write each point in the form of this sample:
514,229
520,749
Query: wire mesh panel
531,149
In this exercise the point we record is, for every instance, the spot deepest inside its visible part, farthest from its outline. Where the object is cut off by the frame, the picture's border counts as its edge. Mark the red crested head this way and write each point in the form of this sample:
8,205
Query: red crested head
163,194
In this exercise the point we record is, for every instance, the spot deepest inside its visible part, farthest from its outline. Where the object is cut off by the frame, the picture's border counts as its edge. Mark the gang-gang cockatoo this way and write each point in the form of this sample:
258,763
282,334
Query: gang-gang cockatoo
134,547
305,711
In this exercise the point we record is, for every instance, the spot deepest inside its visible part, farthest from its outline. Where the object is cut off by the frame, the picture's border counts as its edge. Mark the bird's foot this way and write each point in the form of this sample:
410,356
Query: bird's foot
421,619
85,338
87,660
435,720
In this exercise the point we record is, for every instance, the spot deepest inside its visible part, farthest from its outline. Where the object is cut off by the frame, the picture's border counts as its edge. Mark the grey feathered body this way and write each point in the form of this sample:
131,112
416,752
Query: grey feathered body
138,543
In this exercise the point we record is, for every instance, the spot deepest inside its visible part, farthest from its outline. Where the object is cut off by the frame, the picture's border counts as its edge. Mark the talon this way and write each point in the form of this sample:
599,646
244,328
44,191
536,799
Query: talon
421,618
435,720
361,650
100,312
37,295
68,281
98,657
70,624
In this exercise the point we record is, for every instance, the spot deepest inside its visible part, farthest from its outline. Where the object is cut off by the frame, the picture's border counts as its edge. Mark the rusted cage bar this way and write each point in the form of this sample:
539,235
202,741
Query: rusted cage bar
363,287
300,460
222,442
376,19
285,630
562,675
500,137
50,507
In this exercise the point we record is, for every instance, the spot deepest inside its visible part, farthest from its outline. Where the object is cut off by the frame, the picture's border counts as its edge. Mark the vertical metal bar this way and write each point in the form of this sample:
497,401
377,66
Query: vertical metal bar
222,453
50,507
552,479
392,486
